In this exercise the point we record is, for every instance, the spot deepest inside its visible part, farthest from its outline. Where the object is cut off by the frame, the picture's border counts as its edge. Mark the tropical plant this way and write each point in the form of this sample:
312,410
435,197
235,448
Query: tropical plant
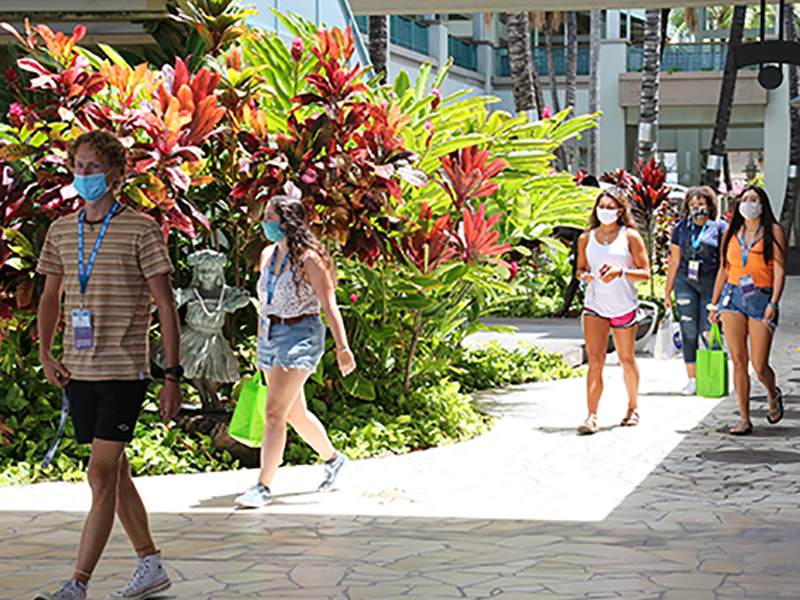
596,19
571,76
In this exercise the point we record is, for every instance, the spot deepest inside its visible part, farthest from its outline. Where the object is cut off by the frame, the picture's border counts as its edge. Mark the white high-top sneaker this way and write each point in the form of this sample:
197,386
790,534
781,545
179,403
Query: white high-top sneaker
72,590
691,387
150,579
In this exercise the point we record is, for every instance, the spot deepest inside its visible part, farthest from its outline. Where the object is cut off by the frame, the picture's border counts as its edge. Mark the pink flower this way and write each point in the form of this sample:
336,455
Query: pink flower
353,298
429,126
308,176
437,97
514,270
16,114
547,112
297,48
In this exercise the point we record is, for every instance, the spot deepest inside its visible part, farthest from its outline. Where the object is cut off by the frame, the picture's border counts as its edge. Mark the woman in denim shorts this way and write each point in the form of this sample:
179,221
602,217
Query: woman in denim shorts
746,294
298,278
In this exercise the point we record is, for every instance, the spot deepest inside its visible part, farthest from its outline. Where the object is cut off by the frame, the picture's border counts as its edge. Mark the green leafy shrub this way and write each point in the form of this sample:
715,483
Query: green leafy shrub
492,365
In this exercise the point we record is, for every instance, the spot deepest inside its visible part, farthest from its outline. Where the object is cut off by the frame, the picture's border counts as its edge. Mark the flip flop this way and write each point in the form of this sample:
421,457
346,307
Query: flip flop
776,414
631,418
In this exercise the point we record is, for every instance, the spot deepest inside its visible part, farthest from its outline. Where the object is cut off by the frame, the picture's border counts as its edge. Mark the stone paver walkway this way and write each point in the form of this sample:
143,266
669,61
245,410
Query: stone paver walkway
672,509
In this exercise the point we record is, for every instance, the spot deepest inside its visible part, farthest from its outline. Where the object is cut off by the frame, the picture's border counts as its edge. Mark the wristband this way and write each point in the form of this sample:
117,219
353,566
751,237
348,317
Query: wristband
624,273
773,305
345,349
711,306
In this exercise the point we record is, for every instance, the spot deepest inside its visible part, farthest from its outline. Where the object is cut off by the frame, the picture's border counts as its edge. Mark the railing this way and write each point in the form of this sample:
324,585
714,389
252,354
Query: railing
503,65
465,55
683,57
408,33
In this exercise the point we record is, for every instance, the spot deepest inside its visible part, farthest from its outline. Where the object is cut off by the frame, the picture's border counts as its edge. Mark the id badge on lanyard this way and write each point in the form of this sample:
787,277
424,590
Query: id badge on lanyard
746,282
82,329
749,288
82,319
694,270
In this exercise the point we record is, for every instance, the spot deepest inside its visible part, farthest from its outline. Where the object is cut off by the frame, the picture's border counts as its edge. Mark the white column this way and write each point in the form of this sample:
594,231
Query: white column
688,148
437,41
777,127
613,61
612,24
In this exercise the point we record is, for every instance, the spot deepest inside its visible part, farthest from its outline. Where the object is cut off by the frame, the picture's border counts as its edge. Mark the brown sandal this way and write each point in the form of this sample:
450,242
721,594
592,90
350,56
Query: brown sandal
589,426
744,427
631,418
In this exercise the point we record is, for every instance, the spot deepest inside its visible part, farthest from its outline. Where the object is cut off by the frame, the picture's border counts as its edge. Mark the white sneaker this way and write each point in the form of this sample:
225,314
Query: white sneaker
150,579
72,590
691,388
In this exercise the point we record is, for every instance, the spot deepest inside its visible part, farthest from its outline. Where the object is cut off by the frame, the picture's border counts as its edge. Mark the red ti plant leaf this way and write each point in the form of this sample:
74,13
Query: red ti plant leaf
465,174
428,245
477,241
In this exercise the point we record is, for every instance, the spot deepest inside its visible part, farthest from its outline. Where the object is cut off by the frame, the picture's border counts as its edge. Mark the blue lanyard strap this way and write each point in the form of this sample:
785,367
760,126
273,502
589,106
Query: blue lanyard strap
272,279
746,253
696,239
60,433
85,270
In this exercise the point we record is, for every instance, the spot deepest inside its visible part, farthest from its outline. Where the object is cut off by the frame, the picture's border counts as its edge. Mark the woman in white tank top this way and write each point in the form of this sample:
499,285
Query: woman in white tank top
611,256
298,278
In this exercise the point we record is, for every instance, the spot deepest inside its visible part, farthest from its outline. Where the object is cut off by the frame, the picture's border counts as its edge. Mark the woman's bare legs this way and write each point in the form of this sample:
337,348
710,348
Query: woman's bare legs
760,345
735,327
308,426
595,334
284,387
625,340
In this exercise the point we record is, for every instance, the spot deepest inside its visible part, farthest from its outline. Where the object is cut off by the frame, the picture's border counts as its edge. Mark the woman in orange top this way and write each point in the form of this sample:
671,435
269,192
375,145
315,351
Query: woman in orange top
749,285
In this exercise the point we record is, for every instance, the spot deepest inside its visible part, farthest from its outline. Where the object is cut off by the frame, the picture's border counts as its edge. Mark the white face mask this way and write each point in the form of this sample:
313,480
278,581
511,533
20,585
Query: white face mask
750,210
607,216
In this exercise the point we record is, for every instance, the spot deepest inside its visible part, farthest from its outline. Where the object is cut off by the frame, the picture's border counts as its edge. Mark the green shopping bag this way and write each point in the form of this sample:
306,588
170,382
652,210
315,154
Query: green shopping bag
247,421
712,368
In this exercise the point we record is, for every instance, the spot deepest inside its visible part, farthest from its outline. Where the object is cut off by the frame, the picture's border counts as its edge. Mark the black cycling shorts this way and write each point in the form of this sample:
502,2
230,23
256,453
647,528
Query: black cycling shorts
105,410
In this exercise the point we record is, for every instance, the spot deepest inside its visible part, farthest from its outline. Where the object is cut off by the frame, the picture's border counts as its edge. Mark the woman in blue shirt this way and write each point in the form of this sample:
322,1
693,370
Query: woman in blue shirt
693,264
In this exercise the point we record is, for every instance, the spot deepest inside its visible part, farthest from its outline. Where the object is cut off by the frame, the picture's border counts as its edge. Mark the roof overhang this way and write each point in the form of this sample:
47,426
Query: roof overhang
415,7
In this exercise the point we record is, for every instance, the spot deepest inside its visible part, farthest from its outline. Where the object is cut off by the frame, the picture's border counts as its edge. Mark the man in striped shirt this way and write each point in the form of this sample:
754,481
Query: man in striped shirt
108,260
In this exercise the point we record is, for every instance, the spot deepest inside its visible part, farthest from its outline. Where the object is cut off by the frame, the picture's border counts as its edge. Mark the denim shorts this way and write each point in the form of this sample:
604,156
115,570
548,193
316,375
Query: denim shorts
732,300
296,346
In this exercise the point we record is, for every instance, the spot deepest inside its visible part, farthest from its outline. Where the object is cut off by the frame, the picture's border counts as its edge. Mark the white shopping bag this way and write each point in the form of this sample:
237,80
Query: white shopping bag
667,338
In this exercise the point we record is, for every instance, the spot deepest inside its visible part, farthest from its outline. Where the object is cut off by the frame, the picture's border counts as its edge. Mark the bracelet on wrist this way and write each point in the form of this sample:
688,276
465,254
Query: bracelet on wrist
712,306
773,305
344,349
624,273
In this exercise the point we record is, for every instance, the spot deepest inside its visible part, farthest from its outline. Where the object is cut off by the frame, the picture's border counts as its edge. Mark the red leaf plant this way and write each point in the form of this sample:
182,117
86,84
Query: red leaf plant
466,174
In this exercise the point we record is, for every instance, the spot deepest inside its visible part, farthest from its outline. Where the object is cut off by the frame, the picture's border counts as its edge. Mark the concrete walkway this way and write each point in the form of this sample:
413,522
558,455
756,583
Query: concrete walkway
672,509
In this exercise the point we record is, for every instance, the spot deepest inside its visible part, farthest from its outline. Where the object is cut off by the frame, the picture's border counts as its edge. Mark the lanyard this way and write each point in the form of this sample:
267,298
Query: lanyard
746,253
59,434
85,270
696,239
272,279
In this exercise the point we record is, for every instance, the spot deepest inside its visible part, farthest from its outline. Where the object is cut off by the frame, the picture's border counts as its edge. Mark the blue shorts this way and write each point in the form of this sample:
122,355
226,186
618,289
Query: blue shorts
732,300
296,346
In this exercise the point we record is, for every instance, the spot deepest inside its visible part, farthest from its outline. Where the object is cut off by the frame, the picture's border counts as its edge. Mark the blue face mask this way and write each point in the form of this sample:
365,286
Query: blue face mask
273,231
91,187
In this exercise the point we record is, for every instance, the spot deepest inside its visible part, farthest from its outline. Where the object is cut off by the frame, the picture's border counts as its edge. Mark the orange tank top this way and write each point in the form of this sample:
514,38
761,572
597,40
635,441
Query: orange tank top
762,273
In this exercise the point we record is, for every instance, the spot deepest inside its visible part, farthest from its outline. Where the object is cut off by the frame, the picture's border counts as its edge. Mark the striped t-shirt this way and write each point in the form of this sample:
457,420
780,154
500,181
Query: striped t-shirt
117,294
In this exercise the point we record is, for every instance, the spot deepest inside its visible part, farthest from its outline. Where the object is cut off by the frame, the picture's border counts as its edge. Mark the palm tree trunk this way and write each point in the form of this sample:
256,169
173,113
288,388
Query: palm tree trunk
648,104
551,69
664,26
551,63
594,89
790,198
571,76
719,138
378,44
523,69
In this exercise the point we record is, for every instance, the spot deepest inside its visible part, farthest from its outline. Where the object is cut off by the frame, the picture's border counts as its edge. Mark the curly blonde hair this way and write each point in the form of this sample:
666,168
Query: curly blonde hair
104,143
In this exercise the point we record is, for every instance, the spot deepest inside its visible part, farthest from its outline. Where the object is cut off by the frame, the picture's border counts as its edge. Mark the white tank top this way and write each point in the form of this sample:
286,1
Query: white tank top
618,297
290,299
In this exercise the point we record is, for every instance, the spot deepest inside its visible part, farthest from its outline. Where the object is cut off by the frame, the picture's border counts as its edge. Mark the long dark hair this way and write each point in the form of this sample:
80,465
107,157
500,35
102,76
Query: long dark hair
737,222
619,196
293,215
